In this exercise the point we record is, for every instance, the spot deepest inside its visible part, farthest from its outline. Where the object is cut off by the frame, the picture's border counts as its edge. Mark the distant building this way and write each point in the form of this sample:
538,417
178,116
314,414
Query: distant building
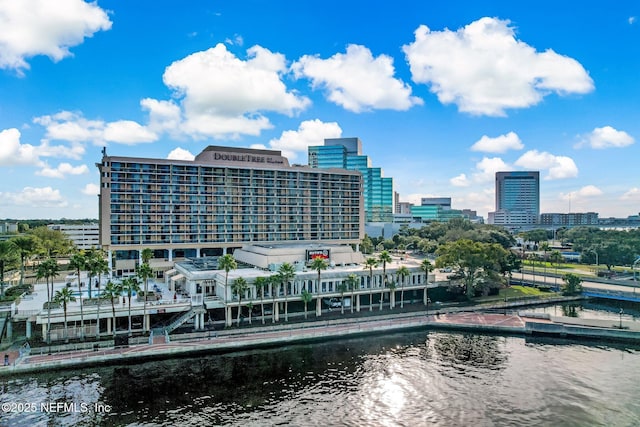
517,199
8,227
346,153
83,236
569,219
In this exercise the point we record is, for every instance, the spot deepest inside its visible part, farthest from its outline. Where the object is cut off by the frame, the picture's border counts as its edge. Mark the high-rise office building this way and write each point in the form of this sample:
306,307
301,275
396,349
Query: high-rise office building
223,198
517,198
347,153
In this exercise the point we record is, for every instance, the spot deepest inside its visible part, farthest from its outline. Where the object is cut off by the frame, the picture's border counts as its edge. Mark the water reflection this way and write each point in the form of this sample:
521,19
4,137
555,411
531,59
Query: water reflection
418,378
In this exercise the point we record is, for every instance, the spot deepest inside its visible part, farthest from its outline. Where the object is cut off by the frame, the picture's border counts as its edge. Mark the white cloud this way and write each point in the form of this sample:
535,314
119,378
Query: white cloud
559,167
606,137
357,81
499,144
128,132
632,194
583,193
91,189
180,154
484,69
12,152
163,115
460,181
223,96
73,127
62,170
43,27
487,168
43,197
632,20
310,132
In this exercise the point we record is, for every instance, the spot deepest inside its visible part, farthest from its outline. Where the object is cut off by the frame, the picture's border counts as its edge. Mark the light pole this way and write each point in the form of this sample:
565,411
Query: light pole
633,270
621,311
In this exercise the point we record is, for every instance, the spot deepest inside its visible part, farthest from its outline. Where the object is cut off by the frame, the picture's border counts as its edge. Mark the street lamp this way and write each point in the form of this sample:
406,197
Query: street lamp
621,311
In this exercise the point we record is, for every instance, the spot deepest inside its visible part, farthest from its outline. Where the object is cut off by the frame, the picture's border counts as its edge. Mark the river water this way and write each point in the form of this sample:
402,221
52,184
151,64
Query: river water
420,378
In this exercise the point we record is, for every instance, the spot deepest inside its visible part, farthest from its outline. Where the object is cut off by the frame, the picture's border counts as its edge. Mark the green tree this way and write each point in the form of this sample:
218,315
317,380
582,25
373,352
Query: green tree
403,272
146,255
8,257
260,284
472,261
371,263
63,296
366,247
48,270
306,299
239,288
130,285
286,272
78,262
227,263
51,242
384,258
572,284
352,284
112,292
318,264
26,246
427,267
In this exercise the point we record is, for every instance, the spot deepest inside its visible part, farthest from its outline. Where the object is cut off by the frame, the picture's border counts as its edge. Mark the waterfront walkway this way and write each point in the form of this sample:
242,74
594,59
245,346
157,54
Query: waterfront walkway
275,335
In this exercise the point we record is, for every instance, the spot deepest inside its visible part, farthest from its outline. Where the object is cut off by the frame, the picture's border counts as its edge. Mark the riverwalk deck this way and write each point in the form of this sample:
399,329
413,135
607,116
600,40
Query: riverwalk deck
230,340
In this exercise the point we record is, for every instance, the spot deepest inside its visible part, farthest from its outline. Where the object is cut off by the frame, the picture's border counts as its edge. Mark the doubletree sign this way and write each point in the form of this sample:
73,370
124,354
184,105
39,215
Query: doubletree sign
318,253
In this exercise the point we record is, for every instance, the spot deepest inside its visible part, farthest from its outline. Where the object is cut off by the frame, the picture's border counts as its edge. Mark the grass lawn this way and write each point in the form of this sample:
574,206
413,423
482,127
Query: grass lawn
517,292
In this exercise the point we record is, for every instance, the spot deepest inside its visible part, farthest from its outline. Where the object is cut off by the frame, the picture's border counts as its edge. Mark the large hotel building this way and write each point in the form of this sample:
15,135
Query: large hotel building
224,198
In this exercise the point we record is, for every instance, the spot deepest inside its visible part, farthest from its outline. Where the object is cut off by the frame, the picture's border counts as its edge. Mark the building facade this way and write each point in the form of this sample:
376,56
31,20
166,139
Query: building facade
222,199
83,236
517,199
347,153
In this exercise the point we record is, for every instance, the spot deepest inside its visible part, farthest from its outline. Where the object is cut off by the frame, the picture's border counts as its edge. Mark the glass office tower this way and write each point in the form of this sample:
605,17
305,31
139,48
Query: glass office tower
517,198
347,153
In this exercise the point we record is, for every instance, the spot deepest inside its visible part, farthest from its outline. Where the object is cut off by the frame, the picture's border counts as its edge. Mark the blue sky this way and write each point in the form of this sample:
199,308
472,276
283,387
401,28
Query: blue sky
442,93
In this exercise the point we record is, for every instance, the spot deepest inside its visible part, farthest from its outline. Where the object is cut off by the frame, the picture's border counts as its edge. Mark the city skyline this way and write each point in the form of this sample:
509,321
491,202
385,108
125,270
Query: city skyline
442,95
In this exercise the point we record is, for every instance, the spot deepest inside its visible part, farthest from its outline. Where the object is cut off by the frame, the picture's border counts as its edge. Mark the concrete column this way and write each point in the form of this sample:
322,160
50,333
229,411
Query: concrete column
228,316
147,321
109,258
357,303
28,333
44,330
276,312
318,306
170,255
9,328
198,253
392,299
109,325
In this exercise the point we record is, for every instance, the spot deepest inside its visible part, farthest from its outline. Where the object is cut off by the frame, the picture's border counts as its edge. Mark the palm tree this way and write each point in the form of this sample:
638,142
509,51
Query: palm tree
250,307
78,262
239,287
556,258
129,286
63,296
146,255
318,264
342,288
49,269
286,273
145,272
8,255
26,246
544,247
352,283
384,258
371,263
97,267
306,299
427,267
227,263
533,257
403,272
260,283
112,291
